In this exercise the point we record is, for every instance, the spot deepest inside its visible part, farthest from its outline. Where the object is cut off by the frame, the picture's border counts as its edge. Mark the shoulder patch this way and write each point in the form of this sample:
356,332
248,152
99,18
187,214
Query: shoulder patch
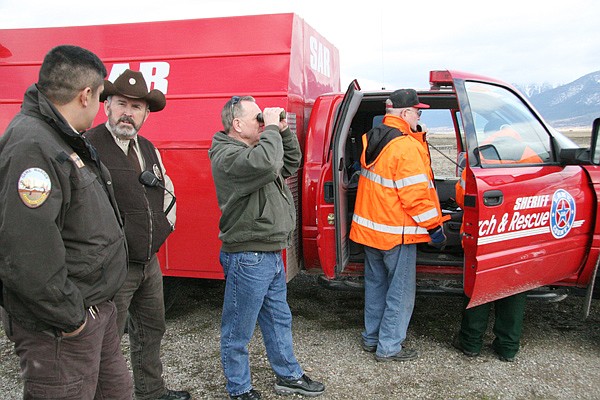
76,160
34,187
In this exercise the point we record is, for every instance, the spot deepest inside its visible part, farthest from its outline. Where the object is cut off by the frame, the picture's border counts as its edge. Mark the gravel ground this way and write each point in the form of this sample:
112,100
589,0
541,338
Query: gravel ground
559,358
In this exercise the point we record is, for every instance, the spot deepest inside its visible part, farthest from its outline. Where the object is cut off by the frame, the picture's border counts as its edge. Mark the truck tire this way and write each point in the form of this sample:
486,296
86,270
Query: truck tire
171,290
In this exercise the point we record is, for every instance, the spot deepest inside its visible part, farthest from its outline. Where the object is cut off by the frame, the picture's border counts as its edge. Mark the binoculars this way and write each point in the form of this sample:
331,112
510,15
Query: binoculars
259,117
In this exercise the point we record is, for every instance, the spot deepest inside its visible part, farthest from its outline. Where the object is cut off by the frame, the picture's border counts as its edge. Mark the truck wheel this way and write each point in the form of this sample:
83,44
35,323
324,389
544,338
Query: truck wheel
171,290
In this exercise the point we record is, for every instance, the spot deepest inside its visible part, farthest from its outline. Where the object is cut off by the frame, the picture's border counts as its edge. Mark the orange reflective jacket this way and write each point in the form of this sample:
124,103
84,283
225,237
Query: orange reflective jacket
518,152
460,197
460,189
396,202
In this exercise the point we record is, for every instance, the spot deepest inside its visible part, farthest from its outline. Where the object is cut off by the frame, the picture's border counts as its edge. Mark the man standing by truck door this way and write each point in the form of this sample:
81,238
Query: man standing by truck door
508,315
396,207
509,312
126,154
249,166
62,248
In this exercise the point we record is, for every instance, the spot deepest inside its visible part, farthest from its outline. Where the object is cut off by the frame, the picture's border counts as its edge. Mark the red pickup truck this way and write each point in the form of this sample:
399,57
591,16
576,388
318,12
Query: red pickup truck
526,225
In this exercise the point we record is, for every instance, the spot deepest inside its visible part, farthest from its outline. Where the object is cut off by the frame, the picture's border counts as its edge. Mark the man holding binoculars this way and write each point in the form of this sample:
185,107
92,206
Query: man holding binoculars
250,160
260,118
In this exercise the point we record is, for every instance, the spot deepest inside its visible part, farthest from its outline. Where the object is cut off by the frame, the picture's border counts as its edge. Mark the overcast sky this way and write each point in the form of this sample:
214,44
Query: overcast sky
392,43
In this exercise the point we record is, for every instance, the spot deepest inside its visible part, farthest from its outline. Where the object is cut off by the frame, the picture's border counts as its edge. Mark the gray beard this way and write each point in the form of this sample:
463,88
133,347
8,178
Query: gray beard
124,132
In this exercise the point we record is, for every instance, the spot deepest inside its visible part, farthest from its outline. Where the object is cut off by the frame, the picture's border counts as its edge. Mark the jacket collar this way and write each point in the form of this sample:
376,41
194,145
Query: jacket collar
37,105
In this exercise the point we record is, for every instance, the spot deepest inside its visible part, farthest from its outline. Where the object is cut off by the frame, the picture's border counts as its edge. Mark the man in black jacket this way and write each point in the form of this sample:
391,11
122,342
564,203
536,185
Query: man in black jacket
128,104
62,246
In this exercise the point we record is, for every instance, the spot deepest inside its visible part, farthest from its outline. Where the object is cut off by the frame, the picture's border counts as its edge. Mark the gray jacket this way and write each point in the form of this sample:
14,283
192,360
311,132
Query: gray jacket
258,211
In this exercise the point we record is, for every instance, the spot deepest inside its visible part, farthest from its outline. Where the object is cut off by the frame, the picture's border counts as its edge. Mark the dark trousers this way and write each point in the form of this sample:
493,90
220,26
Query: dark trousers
89,365
141,297
508,324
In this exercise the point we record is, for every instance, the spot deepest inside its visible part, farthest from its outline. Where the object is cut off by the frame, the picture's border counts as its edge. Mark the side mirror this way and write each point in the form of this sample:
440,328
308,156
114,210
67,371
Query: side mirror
487,152
595,146
582,156
574,156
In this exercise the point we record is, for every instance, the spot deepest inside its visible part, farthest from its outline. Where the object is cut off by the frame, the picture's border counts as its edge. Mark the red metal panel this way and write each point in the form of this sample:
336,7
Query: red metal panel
184,38
193,249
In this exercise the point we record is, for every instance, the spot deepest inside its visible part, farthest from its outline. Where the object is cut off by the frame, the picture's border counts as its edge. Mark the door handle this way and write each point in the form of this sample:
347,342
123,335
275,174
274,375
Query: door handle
493,198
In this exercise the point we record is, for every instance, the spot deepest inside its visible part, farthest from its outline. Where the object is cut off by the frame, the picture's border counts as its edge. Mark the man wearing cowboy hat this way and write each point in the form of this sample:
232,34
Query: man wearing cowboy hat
128,103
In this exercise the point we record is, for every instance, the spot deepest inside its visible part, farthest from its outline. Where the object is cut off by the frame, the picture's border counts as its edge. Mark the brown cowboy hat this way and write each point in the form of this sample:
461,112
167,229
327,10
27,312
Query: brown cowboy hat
133,85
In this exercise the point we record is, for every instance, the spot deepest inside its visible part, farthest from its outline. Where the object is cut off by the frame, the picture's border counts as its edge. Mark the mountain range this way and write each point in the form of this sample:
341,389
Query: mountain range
573,105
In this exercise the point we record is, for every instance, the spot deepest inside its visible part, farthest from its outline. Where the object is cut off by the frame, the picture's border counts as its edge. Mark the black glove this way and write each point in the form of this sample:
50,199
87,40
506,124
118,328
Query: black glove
438,238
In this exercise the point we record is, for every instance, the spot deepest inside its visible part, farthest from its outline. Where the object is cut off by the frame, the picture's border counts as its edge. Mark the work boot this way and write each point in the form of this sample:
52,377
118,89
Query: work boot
403,355
303,385
251,395
503,356
458,346
369,348
175,395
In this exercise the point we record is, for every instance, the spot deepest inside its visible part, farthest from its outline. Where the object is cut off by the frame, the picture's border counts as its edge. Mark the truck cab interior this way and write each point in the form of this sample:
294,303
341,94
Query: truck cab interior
442,114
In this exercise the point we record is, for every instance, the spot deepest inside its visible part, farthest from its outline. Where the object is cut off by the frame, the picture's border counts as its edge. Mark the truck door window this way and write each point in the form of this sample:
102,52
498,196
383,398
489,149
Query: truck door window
507,131
442,141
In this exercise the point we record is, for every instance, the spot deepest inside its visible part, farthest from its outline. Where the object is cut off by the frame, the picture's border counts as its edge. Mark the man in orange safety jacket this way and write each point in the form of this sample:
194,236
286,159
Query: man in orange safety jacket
396,207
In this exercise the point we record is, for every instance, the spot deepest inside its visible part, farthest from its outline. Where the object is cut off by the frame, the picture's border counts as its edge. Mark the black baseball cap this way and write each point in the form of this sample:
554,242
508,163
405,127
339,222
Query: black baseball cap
404,98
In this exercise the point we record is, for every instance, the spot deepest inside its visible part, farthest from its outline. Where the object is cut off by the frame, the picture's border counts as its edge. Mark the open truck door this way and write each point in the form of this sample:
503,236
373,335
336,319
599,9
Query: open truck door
337,191
529,214
593,169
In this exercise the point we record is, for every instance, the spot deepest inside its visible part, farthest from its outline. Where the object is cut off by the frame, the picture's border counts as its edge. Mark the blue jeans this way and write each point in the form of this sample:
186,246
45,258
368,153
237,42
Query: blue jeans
390,286
255,290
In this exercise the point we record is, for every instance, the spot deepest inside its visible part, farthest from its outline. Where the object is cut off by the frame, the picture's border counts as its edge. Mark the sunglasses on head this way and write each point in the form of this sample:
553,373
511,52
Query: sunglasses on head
234,100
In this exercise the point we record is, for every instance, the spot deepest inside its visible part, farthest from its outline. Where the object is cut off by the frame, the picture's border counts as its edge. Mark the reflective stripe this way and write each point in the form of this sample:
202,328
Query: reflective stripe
426,215
396,230
461,182
413,180
388,183
372,176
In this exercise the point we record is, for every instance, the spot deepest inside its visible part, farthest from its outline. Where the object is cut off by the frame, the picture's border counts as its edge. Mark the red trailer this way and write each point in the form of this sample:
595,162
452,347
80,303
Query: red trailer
199,64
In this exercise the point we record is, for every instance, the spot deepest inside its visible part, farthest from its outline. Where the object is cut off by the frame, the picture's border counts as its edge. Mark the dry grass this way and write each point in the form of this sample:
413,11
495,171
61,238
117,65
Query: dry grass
580,136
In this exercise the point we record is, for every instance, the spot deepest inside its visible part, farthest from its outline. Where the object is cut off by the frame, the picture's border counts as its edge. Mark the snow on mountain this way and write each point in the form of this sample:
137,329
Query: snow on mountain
574,105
